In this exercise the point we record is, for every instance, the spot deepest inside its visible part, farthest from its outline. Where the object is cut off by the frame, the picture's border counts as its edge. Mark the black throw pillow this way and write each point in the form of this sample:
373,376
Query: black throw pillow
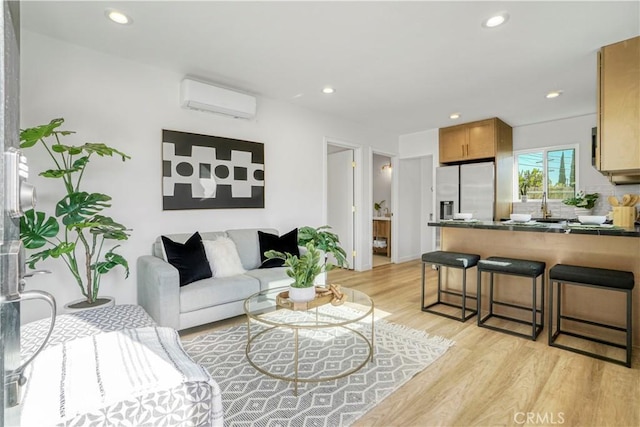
189,258
285,243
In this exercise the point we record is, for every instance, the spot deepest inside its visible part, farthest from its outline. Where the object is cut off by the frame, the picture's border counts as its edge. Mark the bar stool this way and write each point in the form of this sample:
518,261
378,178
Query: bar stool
611,280
451,260
514,267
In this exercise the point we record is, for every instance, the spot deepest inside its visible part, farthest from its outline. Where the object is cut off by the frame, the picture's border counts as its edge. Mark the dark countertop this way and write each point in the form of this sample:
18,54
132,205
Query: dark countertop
606,230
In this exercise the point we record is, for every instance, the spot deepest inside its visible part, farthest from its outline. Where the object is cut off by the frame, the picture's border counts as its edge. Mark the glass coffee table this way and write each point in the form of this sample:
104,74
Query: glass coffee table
313,345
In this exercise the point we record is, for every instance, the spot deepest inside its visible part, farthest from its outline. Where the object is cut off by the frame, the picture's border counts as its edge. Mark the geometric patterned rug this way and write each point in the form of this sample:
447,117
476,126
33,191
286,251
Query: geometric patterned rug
250,398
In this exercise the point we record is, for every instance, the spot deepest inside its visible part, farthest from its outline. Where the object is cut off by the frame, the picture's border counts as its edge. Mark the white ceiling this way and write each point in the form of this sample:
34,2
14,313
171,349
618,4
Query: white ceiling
399,66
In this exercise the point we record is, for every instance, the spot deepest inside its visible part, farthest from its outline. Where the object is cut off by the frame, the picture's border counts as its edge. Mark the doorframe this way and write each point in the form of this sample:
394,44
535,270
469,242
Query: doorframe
357,192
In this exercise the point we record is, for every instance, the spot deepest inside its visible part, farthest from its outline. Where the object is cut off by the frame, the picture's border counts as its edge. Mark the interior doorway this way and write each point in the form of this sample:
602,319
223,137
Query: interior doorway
381,183
341,197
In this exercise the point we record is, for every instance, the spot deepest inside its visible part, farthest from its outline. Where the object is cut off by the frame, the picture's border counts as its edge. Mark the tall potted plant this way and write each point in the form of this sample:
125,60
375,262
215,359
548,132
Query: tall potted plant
81,242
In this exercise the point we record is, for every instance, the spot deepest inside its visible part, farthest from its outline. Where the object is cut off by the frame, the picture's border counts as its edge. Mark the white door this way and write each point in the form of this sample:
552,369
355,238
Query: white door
409,214
340,197
415,208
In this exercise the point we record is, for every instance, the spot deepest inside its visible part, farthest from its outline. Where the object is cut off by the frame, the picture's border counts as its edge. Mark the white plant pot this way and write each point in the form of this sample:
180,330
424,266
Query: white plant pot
302,294
582,212
81,304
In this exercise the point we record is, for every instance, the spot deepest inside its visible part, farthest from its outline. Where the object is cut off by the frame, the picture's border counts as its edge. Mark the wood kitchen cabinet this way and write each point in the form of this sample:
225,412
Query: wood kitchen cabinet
618,137
382,231
473,141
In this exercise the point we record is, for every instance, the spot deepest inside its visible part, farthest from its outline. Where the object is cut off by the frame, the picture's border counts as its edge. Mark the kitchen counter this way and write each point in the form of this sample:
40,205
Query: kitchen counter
538,227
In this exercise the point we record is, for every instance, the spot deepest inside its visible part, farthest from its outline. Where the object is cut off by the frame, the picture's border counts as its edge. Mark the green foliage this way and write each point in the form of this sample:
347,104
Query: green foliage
303,269
84,228
324,240
530,179
582,200
378,205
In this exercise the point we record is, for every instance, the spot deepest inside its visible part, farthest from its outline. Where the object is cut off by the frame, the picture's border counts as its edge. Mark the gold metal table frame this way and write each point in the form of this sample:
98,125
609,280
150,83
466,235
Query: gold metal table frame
264,302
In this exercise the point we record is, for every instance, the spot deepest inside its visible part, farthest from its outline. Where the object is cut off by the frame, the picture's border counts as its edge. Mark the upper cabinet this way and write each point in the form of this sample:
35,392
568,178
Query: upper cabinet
474,141
618,140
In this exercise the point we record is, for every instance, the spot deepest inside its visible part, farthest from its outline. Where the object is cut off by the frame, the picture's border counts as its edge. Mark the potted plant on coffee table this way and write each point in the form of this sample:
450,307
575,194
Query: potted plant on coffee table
81,242
324,240
303,270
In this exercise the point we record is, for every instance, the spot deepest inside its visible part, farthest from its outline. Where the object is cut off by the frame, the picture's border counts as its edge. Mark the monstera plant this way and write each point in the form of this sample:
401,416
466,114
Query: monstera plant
77,232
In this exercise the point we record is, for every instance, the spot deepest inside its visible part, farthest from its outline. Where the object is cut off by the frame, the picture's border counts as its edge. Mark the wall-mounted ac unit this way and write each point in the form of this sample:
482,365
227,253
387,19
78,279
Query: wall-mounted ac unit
206,97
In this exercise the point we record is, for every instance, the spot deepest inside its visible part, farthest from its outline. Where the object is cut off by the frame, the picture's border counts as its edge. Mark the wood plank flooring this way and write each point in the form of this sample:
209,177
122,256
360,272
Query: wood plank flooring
488,378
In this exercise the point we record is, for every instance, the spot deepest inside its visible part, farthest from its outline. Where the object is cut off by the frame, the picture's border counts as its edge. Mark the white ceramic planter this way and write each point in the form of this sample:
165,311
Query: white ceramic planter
582,212
302,294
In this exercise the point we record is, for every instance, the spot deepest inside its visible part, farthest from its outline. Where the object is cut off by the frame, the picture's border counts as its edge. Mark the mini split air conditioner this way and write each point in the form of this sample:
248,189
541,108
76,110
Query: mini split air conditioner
206,97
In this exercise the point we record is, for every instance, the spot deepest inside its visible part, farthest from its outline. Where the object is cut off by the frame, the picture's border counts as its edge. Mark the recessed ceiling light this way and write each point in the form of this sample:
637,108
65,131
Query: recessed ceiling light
496,20
554,94
454,116
118,17
328,89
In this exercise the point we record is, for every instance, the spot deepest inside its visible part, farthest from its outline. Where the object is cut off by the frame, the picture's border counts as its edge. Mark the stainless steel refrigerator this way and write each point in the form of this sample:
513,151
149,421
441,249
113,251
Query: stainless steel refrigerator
466,188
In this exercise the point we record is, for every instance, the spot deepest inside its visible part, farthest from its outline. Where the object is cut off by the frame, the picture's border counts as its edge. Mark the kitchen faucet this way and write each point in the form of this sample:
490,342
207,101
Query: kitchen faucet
544,208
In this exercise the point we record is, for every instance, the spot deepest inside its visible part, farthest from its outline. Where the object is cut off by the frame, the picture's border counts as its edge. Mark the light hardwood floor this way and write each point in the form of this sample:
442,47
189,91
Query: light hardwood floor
488,378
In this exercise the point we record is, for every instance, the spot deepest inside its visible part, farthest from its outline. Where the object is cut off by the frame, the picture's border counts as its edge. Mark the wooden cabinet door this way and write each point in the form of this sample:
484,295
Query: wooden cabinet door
452,143
481,143
619,106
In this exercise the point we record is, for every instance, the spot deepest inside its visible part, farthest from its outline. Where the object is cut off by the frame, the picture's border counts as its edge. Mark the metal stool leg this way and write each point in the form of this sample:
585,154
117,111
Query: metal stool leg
491,294
534,308
423,285
479,298
629,322
464,294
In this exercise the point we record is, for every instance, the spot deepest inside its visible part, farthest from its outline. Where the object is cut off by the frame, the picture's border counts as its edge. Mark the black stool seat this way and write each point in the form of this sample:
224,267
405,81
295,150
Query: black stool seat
592,276
456,260
520,267
451,259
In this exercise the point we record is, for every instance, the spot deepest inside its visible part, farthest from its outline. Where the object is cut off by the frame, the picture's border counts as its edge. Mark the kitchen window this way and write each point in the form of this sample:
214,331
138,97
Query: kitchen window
553,170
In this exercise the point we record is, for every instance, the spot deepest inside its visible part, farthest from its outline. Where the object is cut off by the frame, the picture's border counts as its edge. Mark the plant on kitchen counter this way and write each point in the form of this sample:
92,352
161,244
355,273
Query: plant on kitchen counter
582,200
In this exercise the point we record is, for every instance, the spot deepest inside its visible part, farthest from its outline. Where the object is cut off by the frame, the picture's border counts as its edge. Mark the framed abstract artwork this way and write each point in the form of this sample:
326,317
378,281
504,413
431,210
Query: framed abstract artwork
211,172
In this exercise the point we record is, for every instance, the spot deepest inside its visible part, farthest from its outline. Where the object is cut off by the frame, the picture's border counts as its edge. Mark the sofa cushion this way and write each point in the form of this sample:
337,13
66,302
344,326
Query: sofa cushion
246,241
188,258
287,243
211,292
158,250
271,277
223,257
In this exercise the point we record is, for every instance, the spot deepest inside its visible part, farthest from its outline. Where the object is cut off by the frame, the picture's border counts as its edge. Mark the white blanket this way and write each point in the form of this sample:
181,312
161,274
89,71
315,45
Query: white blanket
136,377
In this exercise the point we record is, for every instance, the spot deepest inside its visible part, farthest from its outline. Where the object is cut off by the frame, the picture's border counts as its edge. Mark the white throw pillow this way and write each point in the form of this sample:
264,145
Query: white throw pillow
223,257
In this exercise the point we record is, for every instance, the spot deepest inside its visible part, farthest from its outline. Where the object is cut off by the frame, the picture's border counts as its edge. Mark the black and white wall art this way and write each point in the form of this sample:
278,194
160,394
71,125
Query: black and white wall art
211,172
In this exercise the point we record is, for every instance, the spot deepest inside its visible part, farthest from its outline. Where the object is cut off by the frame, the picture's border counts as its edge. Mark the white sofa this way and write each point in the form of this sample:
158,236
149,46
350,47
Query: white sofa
206,300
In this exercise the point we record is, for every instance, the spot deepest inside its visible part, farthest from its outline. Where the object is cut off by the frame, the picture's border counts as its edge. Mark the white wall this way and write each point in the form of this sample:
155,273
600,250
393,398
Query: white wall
126,105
